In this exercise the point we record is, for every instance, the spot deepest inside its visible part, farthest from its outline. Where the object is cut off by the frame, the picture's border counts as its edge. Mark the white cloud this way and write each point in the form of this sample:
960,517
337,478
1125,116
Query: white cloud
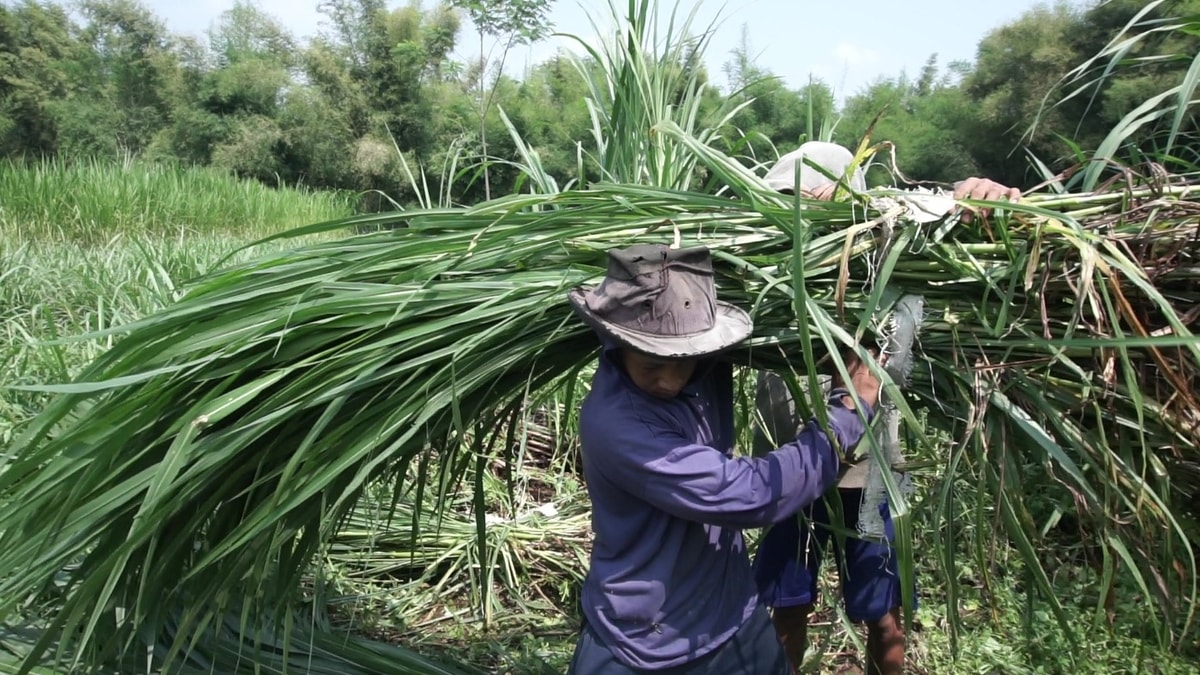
853,55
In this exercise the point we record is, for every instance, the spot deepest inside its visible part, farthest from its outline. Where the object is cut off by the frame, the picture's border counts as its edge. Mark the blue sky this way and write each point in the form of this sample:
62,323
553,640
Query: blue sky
847,43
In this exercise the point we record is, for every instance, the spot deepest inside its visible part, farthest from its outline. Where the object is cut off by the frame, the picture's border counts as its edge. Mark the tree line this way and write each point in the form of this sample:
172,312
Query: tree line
377,98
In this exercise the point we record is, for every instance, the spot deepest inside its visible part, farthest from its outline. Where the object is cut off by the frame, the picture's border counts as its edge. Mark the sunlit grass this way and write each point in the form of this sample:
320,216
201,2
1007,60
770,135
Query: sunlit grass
90,202
86,246
53,295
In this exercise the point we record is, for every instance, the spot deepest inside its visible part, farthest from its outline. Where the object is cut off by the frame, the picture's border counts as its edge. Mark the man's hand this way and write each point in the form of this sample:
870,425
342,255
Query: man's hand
823,193
863,382
985,190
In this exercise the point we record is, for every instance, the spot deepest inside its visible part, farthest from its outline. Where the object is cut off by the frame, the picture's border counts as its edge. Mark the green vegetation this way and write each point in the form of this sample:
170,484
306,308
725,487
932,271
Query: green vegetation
91,202
237,394
86,247
342,109
334,453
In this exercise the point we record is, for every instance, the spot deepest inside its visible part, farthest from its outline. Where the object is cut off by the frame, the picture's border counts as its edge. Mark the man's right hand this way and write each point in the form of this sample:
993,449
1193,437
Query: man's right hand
863,382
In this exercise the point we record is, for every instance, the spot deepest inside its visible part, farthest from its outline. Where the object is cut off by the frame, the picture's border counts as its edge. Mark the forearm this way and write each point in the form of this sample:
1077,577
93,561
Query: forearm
811,462
756,492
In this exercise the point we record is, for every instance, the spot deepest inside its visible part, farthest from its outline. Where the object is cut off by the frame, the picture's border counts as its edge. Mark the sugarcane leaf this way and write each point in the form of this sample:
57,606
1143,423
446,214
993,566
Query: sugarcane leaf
1017,532
1022,422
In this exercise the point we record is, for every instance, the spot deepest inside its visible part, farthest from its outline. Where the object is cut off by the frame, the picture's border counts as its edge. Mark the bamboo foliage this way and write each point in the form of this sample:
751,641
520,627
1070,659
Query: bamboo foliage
643,76
1175,103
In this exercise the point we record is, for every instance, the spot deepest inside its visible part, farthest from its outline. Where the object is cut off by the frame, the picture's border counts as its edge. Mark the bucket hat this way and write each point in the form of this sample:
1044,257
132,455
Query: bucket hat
662,301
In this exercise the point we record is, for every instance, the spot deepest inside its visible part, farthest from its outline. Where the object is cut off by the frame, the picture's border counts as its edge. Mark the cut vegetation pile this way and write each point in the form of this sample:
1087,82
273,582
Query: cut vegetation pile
184,482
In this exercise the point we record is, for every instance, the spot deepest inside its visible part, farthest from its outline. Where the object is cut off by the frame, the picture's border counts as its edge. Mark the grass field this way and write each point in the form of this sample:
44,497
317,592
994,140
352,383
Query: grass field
90,202
87,248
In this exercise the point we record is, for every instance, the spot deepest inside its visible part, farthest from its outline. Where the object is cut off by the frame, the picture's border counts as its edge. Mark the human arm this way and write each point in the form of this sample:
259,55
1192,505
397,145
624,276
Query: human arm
693,481
835,159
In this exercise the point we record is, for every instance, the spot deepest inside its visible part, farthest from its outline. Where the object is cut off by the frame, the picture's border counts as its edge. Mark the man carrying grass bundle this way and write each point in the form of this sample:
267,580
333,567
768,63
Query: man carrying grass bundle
670,584
788,561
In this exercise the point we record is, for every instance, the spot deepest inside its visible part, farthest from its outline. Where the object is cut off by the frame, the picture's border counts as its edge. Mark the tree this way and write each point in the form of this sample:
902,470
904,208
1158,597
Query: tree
36,46
245,32
923,119
1017,67
371,87
350,21
1136,82
776,119
382,71
407,49
1059,80
318,136
226,97
510,23
122,81
549,110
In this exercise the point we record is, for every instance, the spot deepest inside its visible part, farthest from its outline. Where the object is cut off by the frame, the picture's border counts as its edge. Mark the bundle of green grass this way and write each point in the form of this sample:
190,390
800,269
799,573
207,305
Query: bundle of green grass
196,468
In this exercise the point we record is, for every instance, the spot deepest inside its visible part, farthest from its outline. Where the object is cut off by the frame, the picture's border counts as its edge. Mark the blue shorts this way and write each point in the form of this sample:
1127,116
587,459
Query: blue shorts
788,562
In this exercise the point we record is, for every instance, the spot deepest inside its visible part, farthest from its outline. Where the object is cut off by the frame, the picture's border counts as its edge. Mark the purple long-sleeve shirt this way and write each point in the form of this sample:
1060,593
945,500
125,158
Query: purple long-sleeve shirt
670,578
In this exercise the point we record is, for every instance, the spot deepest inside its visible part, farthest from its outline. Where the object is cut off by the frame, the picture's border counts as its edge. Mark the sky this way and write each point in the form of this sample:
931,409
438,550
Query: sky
848,43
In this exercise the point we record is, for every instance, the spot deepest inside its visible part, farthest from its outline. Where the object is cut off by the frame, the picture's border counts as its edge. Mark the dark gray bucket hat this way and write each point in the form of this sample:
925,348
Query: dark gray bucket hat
662,301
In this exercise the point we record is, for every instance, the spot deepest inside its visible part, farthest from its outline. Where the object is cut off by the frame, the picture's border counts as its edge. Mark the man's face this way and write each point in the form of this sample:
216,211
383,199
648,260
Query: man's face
661,378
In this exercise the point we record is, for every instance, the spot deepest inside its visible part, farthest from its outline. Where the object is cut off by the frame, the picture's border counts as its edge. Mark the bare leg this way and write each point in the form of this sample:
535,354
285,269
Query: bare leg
791,624
885,645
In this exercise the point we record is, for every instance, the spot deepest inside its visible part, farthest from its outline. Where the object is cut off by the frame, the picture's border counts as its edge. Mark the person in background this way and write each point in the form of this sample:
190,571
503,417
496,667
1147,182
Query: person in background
788,561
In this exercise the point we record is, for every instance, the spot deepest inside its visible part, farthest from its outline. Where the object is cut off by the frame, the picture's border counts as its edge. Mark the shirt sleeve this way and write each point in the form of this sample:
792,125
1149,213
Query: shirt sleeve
700,483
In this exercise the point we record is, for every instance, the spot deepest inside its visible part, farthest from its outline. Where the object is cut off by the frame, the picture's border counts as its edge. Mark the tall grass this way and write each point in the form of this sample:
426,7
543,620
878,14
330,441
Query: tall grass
182,485
228,437
92,201
86,246
53,296
650,74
